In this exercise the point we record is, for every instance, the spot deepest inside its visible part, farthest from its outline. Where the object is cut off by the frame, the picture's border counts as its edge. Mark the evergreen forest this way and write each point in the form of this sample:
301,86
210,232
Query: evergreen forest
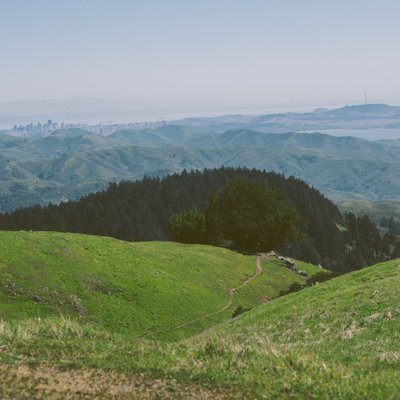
142,211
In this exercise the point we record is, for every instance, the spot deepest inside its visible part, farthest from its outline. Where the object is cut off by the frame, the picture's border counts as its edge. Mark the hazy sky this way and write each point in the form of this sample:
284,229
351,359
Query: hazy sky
249,52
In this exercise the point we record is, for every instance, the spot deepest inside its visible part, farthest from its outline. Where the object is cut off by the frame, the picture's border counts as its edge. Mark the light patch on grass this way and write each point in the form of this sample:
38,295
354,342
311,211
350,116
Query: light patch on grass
50,383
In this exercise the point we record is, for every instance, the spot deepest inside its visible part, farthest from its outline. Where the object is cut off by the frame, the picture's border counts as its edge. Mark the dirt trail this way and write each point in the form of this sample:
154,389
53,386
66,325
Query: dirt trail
231,295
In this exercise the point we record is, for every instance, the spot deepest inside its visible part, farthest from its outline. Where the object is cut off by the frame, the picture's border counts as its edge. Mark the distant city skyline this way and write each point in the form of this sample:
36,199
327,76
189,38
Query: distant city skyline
225,54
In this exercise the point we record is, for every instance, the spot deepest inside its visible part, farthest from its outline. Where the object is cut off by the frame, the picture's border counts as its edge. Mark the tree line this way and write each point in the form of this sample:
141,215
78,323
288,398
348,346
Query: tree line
142,210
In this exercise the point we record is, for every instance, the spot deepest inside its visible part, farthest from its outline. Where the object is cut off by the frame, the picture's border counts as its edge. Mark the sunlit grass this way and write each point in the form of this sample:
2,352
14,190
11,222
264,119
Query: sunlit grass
336,340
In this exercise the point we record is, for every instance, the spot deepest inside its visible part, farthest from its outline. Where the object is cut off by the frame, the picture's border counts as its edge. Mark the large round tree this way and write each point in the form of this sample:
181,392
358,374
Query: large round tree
250,215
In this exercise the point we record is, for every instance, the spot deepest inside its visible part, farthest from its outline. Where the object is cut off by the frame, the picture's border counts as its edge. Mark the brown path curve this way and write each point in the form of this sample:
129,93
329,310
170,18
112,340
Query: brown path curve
229,302
231,295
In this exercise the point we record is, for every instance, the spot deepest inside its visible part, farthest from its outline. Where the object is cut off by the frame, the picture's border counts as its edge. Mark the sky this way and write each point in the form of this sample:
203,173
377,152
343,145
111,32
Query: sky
247,53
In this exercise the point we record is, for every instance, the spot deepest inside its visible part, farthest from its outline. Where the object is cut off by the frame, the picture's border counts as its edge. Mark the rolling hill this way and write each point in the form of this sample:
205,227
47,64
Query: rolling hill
336,340
71,163
339,339
145,288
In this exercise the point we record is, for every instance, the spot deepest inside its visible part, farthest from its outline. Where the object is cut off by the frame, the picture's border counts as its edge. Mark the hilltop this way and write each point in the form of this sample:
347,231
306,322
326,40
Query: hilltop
335,340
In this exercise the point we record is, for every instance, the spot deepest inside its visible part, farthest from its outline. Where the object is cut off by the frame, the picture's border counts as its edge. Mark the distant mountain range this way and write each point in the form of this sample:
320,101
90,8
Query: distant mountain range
70,163
358,117
90,110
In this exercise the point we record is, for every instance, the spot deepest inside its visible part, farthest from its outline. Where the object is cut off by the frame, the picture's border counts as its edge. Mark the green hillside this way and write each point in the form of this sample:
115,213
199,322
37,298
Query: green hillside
71,163
374,209
340,339
140,289
29,181
336,340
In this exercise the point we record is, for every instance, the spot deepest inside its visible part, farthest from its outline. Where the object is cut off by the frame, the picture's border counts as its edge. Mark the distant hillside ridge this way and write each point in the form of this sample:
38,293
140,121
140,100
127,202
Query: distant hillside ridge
141,210
71,163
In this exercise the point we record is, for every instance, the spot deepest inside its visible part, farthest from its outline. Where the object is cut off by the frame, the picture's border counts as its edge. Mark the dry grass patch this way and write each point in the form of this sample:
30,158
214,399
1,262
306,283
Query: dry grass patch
23,382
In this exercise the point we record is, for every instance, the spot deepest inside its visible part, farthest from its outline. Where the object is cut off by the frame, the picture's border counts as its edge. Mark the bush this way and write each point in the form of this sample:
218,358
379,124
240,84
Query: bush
188,227
239,310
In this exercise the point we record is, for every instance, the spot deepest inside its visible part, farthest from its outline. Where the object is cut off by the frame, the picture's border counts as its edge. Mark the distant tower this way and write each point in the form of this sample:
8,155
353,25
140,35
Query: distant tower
365,98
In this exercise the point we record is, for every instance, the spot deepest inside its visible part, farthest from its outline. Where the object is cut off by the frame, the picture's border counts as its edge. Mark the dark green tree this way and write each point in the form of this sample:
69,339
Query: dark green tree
250,216
188,227
396,251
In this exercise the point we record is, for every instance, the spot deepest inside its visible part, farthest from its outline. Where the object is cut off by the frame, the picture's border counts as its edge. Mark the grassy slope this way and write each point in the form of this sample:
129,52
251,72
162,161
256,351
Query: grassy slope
136,288
337,340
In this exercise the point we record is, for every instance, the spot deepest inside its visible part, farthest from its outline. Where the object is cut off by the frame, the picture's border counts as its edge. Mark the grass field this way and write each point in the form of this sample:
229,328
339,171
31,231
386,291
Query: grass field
336,340
139,289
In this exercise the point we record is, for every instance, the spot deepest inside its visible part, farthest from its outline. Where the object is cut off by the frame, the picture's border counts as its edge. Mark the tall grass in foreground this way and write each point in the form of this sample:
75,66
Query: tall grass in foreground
337,340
